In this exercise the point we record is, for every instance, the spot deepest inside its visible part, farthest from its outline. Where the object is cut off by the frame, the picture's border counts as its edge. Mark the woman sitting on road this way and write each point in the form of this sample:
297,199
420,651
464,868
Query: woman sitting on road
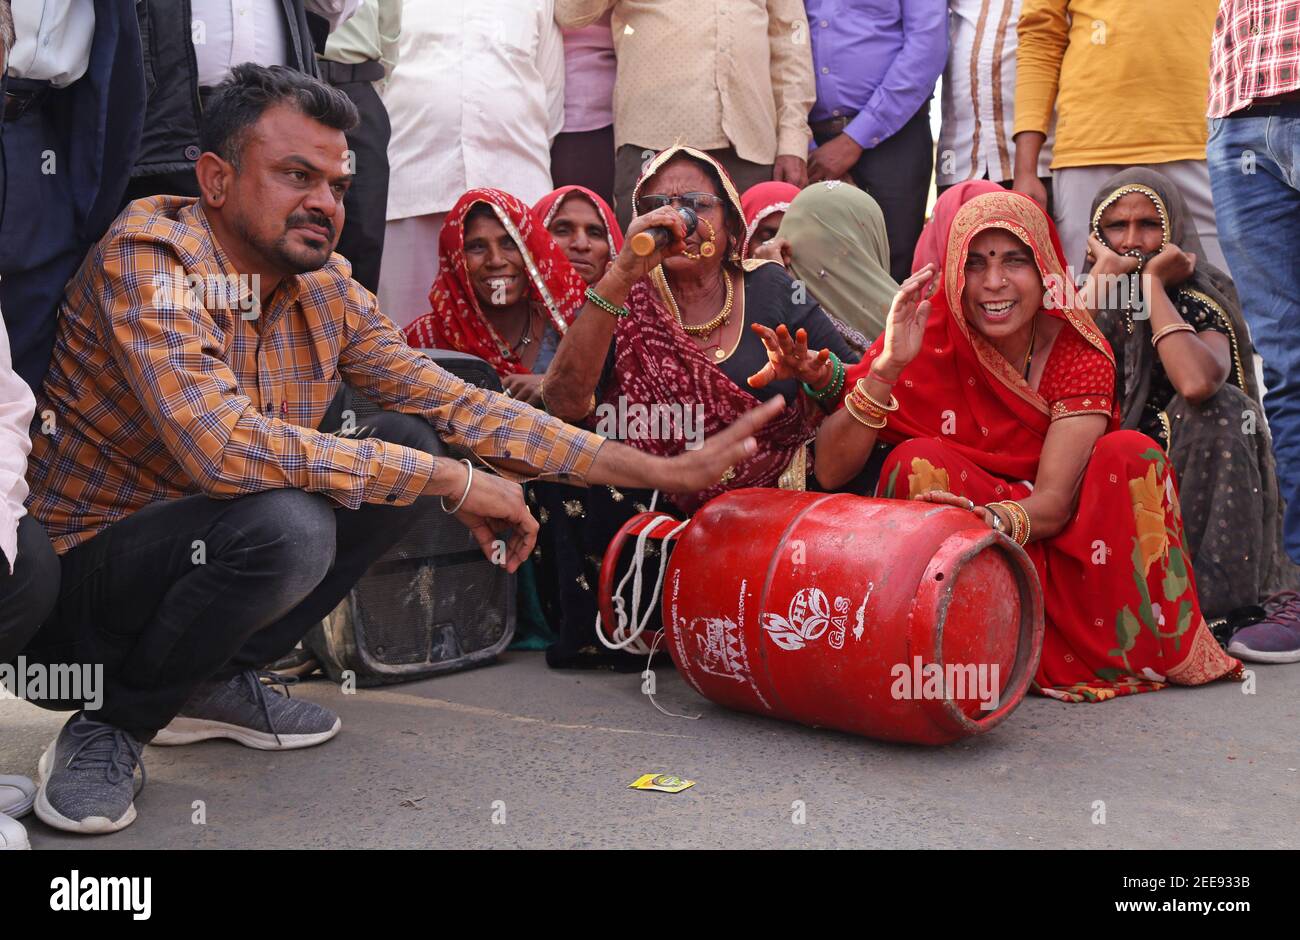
1002,404
1186,367
505,292
678,332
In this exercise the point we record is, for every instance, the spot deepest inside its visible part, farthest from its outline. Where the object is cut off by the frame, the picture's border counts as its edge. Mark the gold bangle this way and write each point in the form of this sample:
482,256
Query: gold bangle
861,388
861,419
866,406
1171,328
1014,519
1020,516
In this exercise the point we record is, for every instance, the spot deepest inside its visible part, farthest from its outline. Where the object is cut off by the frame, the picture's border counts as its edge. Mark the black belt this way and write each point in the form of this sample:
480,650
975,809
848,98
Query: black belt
336,73
831,126
1286,102
23,95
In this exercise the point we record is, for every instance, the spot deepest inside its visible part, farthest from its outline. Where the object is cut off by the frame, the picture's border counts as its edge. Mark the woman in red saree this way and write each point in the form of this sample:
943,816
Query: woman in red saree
928,248
505,292
1005,407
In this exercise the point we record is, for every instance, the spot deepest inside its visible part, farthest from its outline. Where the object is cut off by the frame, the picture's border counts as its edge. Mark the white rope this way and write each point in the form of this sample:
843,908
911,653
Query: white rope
649,675
623,639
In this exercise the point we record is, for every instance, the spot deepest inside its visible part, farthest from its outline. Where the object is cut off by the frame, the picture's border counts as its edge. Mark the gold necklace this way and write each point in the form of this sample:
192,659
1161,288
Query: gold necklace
703,329
1029,353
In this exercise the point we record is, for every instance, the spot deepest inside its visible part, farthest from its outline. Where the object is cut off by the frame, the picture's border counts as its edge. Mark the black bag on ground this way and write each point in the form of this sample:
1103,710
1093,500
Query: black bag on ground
433,603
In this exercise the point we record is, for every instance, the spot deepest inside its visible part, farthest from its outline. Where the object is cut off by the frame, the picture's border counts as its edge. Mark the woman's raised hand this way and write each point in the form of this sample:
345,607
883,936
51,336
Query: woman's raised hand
1172,266
790,358
632,266
905,325
1106,260
774,249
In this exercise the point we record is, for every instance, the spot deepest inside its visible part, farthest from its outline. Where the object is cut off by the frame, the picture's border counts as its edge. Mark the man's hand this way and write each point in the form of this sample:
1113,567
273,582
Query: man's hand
492,506
790,169
833,159
691,471
695,470
790,358
524,386
1031,186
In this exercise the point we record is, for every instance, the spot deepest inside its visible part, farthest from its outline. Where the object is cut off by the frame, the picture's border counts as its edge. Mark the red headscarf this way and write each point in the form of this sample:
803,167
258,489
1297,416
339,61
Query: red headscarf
959,388
549,205
457,321
929,247
656,363
760,201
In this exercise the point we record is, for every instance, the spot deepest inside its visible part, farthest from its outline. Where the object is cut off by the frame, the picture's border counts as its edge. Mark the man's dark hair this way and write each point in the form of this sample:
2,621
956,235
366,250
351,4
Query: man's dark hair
239,101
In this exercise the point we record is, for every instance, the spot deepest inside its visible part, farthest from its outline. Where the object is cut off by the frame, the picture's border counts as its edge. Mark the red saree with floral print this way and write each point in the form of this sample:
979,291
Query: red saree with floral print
1120,596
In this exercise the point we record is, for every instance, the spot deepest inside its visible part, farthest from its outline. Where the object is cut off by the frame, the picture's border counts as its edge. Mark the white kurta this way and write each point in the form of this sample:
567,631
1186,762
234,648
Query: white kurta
475,100
17,405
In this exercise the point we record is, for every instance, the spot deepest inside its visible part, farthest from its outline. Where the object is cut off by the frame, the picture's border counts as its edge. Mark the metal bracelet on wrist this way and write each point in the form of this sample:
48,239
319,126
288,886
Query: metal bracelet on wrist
469,481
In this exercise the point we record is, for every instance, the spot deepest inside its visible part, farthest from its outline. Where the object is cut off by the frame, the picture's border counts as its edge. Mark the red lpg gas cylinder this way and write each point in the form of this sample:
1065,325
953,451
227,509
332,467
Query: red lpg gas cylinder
905,621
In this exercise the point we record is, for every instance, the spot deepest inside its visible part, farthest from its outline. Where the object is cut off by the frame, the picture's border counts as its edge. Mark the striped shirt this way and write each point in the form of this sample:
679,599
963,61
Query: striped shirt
168,380
979,95
1256,53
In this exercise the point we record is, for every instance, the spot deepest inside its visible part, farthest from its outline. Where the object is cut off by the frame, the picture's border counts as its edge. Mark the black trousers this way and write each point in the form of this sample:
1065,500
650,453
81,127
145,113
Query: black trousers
28,588
366,204
896,172
585,158
193,589
40,248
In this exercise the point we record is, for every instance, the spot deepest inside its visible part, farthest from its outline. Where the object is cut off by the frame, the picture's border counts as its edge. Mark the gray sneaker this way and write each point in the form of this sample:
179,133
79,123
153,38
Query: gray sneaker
243,709
87,778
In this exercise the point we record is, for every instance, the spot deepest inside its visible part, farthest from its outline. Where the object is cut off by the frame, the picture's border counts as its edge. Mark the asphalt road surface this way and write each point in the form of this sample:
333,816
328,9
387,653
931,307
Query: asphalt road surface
517,755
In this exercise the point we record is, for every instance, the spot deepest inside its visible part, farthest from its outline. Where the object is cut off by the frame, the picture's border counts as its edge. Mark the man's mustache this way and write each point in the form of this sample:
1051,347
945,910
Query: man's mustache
302,219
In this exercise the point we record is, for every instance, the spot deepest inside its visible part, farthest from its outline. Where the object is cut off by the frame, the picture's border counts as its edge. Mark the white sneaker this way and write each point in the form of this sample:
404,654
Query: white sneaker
12,834
16,796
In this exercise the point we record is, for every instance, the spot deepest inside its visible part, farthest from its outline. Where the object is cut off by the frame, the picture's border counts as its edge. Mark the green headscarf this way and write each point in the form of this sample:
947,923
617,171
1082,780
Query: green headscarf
839,248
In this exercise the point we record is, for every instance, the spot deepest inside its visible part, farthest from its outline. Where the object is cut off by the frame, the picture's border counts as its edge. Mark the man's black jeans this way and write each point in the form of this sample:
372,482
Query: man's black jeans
28,589
193,589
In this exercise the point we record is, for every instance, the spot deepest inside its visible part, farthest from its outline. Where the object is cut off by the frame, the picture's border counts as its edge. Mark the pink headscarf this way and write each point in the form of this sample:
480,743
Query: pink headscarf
762,200
549,204
930,246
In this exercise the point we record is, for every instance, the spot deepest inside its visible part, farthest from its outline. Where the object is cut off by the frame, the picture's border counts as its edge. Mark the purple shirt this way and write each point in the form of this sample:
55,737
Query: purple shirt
589,70
879,58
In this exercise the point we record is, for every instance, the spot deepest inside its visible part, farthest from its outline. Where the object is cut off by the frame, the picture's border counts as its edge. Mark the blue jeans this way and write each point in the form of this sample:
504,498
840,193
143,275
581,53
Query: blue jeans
1255,174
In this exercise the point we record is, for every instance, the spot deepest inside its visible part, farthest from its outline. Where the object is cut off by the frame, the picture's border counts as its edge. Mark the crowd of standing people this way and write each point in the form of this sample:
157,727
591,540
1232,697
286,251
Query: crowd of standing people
1069,316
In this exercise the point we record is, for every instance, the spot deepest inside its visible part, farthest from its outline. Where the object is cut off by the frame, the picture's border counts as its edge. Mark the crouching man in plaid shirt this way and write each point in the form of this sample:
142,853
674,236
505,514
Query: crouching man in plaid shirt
203,523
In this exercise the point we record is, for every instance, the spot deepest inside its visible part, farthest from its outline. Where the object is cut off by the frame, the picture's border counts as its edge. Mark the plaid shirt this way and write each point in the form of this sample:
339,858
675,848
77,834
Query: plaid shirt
1256,53
160,387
